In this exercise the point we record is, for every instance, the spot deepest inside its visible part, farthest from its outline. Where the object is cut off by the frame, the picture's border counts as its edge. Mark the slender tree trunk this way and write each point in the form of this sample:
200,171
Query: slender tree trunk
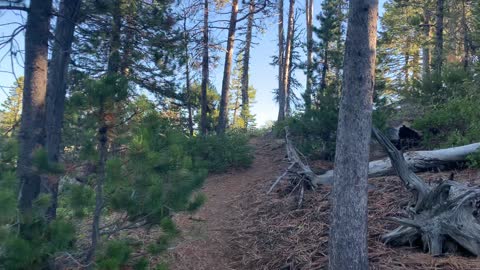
323,82
438,62
129,43
309,23
348,228
31,136
281,53
187,77
246,64
113,68
114,61
227,70
203,119
56,89
406,67
101,174
236,106
426,46
466,47
287,58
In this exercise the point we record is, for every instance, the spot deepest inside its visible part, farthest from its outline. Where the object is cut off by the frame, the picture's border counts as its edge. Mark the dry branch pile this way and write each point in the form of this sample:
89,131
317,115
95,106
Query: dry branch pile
272,233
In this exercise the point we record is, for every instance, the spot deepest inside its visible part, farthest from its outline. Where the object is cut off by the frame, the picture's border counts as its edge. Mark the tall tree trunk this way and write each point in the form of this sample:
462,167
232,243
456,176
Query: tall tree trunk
205,60
31,136
406,65
309,23
246,64
114,61
426,45
281,55
113,68
101,175
287,58
129,43
348,227
466,47
56,88
323,82
227,70
187,76
438,62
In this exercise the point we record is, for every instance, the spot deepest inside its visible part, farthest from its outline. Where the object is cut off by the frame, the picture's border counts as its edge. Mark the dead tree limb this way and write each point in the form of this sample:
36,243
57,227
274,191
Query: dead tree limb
297,165
416,161
442,217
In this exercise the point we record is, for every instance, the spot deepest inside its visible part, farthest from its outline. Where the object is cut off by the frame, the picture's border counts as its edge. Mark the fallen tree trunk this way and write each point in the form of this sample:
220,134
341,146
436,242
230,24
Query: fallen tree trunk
442,217
417,161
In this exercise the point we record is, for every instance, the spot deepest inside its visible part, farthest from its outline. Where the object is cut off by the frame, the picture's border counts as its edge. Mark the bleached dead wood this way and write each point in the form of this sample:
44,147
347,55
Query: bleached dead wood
442,217
417,161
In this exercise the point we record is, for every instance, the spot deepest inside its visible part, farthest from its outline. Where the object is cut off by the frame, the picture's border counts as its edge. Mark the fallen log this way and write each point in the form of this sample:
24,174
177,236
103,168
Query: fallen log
443,217
417,161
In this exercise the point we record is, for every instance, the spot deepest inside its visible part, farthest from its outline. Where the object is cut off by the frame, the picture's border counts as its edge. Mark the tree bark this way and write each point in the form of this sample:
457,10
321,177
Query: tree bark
246,64
348,227
426,45
281,53
187,76
466,47
287,59
56,89
31,137
323,82
309,24
205,61
114,61
438,62
227,70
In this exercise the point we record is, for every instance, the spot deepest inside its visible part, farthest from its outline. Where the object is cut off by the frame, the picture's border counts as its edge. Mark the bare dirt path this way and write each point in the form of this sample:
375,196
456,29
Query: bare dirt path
204,243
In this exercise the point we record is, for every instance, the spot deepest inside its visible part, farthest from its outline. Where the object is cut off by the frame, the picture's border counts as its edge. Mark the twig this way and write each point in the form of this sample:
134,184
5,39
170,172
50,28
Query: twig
280,177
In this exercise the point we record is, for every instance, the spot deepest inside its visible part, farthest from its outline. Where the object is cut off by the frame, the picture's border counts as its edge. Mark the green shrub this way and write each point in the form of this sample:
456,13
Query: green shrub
114,255
219,153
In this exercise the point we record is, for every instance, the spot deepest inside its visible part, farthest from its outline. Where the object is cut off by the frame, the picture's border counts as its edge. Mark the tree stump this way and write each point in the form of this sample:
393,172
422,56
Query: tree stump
443,217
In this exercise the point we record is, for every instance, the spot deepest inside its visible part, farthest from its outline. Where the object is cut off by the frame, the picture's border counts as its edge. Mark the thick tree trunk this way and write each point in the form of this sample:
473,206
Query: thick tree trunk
205,61
246,64
287,58
348,227
56,88
31,137
442,217
227,70
426,44
309,24
281,55
438,62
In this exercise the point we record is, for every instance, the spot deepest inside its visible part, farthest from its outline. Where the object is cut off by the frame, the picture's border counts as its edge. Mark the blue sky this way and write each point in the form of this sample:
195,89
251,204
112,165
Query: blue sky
263,76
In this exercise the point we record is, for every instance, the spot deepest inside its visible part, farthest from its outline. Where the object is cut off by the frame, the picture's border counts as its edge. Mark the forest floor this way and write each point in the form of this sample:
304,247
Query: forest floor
241,227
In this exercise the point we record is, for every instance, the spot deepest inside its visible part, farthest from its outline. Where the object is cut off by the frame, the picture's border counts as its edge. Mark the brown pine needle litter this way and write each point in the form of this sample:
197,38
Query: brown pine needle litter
270,233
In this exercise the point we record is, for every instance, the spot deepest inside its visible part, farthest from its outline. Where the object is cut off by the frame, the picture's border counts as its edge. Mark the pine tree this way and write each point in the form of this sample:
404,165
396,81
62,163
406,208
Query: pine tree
11,108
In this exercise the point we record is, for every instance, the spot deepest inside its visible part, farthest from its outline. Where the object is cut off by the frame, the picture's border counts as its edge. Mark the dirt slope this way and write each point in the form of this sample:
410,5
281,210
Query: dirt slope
241,227
205,240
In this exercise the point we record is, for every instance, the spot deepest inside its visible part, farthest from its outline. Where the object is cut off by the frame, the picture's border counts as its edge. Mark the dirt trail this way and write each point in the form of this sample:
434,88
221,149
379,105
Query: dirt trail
204,243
